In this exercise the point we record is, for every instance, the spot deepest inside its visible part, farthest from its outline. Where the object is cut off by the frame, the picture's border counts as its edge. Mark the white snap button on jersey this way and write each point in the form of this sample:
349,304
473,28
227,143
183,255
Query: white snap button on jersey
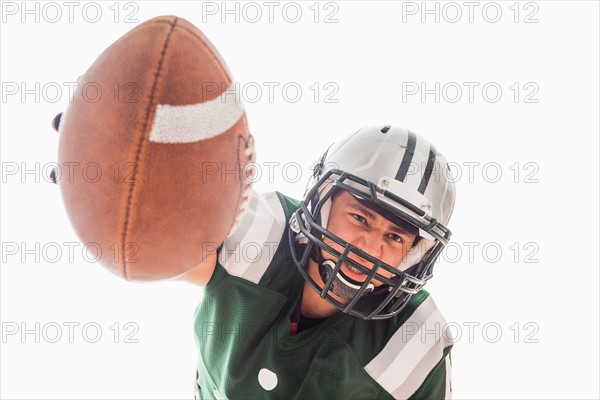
267,379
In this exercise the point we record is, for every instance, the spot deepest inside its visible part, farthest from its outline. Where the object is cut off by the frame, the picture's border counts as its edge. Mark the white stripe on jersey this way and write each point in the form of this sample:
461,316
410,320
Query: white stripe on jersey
409,384
448,378
412,352
248,251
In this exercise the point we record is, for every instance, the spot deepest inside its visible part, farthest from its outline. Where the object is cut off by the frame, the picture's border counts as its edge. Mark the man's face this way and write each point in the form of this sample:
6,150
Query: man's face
368,231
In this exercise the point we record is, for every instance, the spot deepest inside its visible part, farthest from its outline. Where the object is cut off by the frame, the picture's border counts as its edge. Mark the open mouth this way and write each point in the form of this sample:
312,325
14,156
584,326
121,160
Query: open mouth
347,282
353,273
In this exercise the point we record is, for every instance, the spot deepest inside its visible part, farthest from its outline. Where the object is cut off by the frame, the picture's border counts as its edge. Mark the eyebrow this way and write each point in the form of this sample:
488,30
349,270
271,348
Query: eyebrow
362,209
392,227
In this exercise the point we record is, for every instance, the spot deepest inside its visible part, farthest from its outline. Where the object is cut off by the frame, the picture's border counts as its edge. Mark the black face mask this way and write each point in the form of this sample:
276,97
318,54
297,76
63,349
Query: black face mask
342,286
397,286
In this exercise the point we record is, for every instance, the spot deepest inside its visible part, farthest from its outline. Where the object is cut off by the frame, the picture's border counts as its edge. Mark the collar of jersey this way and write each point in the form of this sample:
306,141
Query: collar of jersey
286,342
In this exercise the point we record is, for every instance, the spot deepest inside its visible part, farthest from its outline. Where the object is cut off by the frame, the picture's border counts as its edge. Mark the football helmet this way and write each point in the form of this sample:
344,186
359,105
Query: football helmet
402,177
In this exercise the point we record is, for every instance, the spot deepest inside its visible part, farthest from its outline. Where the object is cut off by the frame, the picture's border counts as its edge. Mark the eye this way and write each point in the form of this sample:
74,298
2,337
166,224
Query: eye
396,238
359,218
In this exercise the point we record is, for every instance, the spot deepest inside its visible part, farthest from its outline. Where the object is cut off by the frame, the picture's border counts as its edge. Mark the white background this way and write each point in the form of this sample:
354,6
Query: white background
370,54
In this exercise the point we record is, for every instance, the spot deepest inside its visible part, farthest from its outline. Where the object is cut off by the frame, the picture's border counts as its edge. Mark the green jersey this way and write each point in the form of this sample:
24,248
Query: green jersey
242,328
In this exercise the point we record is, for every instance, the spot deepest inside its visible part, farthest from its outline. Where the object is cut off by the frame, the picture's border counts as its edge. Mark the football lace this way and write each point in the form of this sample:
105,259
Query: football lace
250,154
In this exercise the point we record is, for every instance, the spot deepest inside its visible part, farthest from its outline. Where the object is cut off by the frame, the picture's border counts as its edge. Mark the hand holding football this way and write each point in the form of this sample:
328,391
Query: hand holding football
164,165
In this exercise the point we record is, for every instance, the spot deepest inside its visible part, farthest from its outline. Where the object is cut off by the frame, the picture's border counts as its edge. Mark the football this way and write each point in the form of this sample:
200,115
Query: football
155,157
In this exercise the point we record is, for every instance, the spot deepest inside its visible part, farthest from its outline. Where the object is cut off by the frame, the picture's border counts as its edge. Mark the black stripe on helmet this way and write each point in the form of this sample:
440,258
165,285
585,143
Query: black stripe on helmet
428,170
408,155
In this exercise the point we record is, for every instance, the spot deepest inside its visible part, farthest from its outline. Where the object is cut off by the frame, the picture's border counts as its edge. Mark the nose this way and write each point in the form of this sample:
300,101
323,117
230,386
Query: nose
370,244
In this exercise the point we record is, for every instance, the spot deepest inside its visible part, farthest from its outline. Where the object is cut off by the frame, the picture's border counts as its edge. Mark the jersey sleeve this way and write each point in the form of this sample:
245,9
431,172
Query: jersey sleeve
415,361
249,249
438,384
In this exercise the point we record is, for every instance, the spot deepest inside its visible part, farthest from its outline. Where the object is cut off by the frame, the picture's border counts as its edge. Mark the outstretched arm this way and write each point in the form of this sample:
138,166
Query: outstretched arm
200,274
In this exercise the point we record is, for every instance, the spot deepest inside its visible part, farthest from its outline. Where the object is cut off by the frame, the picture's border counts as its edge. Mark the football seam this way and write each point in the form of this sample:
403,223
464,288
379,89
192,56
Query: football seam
138,152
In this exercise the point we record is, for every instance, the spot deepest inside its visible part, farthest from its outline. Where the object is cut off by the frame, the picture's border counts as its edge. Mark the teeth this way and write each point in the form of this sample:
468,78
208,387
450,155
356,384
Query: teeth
355,270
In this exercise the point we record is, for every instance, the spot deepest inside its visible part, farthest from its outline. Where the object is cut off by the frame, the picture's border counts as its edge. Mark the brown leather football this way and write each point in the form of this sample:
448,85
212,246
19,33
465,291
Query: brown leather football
154,151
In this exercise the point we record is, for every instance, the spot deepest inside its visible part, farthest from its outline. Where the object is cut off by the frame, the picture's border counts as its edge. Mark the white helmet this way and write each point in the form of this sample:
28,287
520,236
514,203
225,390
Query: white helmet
402,177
